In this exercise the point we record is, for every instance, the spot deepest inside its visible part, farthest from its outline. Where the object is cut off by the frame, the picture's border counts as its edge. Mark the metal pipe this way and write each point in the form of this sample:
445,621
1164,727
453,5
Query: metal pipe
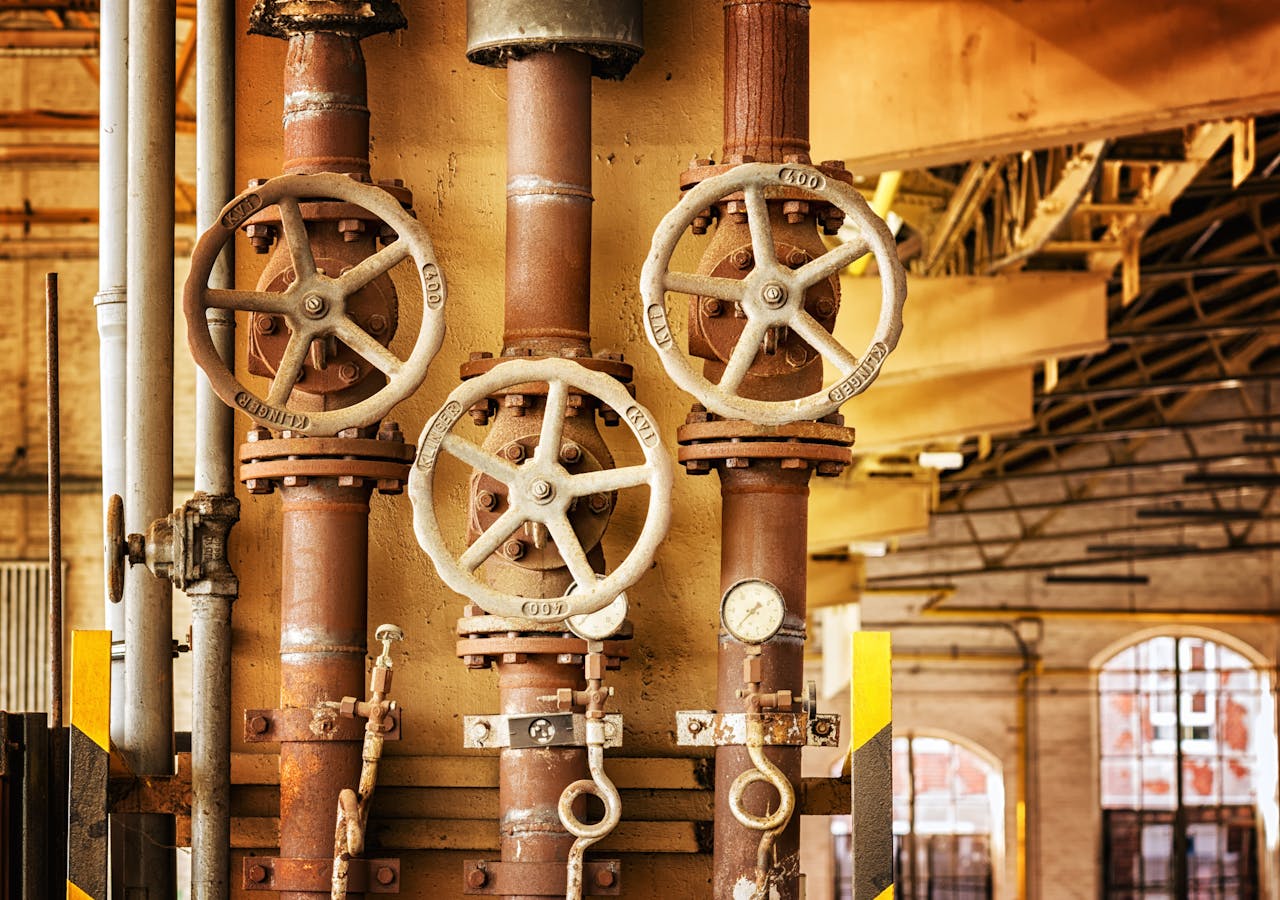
764,533
326,106
323,641
214,467
766,79
548,286
54,449
109,303
148,744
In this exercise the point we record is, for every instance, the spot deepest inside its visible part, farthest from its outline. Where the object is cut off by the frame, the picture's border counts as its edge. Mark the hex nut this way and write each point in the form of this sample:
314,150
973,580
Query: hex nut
257,874
477,878
259,724
513,549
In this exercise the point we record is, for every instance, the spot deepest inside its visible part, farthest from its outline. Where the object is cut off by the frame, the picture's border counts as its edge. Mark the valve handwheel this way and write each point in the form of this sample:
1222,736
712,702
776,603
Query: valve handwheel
772,294
314,305
541,490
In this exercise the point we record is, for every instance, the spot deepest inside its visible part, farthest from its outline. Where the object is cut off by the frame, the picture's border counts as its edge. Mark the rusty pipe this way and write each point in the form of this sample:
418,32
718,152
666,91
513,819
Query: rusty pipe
548,287
764,534
326,105
530,781
323,635
766,80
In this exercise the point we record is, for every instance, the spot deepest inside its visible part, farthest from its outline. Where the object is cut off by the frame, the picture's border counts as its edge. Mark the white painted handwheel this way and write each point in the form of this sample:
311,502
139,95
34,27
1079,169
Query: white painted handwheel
314,305
541,490
772,295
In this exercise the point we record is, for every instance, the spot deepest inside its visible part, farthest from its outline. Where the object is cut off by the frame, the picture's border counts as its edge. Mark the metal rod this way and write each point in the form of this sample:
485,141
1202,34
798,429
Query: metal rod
55,499
1199,331
110,301
1157,465
214,466
1158,388
1105,500
148,744
1135,431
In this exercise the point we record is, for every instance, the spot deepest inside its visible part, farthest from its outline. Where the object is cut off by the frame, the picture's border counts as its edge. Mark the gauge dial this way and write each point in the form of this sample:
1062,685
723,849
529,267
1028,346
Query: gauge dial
752,610
601,624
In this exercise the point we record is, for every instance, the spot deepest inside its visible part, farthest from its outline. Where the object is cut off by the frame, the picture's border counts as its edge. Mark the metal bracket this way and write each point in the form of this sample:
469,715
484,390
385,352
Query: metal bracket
706,728
366,876
535,731
299,724
602,878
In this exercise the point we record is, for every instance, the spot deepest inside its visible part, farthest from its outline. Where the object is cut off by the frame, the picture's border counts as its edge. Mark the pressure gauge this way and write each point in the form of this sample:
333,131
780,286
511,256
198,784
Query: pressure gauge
752,610
601,624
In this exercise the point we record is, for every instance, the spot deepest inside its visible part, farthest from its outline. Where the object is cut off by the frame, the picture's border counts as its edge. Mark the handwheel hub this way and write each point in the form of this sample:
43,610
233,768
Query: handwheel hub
542,491
315,306
773,295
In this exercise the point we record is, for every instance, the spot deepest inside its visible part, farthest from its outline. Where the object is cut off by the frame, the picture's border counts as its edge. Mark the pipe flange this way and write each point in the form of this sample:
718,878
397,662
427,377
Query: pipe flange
486,626
314,305
361,18
480,652
541,491
772,295
292,461
829,215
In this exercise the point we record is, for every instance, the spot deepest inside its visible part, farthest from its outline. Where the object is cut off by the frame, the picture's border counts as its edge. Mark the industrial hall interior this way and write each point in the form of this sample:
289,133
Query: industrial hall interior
710,449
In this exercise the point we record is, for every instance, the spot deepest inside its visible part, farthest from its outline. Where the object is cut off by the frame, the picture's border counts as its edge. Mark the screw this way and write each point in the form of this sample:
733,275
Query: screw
481,412
797,258
542,731
258,724
825,308
513,549
377,323
542,490
598,503
487,501
314,306
261,237
515,453
264,324
711,307
349,372
570,453
822,727
774,295
604,878
701,222
390,431
695,725
257,433
258,485
257,874
477,878
480,731
351,229
742,259
386,875
795,210
697,414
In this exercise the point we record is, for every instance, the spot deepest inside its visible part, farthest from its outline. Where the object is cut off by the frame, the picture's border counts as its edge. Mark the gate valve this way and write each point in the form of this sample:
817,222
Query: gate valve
599,784
353,806
772,295
540,490
314,305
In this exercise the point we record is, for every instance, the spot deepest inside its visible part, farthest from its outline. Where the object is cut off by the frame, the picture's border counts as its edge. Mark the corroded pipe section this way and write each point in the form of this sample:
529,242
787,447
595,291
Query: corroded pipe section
548,305
323,610
766,80
751,498
326,105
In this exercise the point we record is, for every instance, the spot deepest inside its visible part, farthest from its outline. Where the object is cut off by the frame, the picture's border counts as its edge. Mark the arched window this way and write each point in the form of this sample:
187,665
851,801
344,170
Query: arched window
1182,721
948,820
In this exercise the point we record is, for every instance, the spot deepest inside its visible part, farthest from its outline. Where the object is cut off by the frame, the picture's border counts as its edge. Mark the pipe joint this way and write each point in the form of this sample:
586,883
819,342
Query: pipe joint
189,546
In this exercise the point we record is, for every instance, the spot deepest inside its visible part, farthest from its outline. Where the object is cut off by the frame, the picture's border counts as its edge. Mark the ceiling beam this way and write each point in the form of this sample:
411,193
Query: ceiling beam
1091,501
1146,465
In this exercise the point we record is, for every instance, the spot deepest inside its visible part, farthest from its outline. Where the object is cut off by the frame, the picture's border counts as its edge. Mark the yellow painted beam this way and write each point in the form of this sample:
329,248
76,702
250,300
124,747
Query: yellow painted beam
835,582
842,511
952,80
891,416
90,747
967,323
871,746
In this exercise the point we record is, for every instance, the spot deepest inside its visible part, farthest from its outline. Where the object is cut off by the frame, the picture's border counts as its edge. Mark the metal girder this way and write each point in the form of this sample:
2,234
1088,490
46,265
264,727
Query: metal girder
1149,465
1174,496
1134,431
68,120
1156,388
842,510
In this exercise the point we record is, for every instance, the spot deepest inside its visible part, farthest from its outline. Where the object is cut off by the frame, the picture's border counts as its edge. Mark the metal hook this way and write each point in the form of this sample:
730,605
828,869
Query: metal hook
601,786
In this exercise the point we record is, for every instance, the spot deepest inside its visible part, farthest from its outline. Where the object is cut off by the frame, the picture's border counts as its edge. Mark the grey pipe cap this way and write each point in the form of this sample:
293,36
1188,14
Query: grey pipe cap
611,32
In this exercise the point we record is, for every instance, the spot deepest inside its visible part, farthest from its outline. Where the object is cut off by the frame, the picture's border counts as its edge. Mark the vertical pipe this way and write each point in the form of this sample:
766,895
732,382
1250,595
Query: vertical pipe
109,302
214,468
766,79
323,639
149,427
326,106
55,499
764,534
548,262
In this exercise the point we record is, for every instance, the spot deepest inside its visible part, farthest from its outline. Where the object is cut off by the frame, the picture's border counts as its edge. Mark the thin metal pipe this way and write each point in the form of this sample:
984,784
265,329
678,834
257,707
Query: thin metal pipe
54,435
148,744
214,466
110,301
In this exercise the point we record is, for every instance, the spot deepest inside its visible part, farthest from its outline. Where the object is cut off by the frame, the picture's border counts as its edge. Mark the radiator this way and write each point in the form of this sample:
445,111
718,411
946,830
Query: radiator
24,651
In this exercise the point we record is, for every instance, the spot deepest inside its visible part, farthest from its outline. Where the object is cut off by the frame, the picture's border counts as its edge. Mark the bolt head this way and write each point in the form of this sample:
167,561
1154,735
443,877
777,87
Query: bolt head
773,295
258,724
349,372
377,323
264,324
257,874
742,259
570,453
487,500
515,452
542,490
477,878
605,878
598,503
386,875
712,307
513,549
313,306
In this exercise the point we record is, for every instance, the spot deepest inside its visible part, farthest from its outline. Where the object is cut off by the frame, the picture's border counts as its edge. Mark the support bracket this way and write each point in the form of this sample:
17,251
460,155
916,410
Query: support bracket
706,728
536,731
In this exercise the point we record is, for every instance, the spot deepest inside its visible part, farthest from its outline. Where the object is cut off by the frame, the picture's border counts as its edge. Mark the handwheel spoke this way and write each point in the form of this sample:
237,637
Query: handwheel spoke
824,343
607,480
704,286
552,421
289,370
490,540
761,229
370,268
295,234
831,262
248,301
364,343
572,553
743,355
477,458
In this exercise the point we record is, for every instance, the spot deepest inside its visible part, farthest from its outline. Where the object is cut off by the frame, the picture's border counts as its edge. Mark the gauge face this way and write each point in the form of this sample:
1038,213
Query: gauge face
752,610
601,624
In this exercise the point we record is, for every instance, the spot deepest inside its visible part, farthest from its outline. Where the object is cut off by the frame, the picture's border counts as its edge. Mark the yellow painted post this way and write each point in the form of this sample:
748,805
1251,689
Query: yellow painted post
872,759
87,844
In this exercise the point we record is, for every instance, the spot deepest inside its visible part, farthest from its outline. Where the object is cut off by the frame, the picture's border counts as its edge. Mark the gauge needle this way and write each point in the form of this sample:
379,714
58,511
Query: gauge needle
752,611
